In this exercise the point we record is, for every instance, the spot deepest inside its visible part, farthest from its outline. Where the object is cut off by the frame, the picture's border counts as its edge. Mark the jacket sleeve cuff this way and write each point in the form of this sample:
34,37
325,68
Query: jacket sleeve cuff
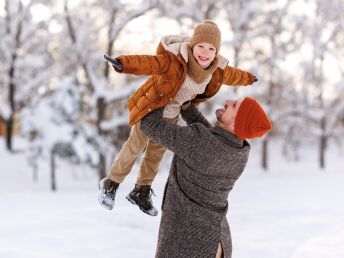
251,78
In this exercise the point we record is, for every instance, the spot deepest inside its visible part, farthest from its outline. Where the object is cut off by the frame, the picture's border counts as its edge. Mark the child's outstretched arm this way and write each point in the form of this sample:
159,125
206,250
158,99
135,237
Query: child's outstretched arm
143,64
235,76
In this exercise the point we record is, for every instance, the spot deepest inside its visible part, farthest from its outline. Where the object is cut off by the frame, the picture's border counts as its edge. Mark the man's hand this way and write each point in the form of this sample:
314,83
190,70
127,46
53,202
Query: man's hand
186,105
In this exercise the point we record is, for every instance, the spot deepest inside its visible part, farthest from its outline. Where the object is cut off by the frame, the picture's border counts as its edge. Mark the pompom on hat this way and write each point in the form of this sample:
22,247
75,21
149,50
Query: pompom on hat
251,120
207,31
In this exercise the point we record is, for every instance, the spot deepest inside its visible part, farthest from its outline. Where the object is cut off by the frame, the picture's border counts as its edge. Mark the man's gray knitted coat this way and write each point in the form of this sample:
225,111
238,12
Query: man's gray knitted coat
207,162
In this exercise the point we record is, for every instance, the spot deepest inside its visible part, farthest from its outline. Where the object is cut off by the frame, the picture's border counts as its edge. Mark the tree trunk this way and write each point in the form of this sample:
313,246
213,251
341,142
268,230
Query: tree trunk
236,64
11,71
102,166
9,132
52,171
10,121
322,151
265,154
102,159
323,142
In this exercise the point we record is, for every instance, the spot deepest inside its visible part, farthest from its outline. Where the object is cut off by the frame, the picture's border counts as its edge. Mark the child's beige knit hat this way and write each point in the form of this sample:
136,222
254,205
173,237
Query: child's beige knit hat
207,31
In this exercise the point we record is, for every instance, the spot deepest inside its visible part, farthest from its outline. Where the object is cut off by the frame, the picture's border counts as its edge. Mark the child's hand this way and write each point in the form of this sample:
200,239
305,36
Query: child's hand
115,62
117,65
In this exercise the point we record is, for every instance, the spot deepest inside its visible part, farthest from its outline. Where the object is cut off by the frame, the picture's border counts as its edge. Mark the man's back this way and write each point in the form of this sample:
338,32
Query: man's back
207,162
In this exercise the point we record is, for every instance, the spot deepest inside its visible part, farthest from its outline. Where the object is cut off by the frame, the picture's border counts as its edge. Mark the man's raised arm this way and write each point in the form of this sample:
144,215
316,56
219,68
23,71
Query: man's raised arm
178,139
191,114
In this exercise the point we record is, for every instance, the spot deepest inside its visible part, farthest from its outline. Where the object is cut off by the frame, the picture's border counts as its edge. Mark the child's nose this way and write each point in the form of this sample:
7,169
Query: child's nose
205,51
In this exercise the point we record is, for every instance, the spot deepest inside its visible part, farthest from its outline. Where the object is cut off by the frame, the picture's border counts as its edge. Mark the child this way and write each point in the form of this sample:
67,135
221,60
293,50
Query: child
182,70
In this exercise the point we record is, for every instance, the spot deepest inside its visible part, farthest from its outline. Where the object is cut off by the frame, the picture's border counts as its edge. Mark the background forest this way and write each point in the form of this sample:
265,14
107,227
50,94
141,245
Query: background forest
63,115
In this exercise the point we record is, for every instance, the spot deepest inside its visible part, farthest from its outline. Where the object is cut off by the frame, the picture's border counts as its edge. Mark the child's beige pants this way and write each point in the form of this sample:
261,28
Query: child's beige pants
219,253
129,152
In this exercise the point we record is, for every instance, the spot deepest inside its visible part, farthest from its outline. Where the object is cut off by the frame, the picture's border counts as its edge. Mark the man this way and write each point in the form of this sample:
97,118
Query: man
207,162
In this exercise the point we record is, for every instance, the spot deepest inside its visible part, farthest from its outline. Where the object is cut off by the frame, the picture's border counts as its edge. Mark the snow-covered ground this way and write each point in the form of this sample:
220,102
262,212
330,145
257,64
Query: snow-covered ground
293,211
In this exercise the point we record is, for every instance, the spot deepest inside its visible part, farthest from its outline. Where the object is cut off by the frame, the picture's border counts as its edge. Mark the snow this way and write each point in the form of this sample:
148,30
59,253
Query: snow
5,111
314,247
293,211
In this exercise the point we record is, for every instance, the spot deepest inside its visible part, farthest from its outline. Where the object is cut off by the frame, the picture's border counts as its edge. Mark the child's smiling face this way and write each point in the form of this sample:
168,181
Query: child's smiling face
204,53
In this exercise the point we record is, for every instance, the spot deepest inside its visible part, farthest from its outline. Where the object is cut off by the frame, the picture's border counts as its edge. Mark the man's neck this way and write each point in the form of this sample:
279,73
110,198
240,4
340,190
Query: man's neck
219,124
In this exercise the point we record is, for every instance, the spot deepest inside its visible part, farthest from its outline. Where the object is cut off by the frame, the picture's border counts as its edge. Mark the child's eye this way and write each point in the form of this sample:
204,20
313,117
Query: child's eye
212,49
201,46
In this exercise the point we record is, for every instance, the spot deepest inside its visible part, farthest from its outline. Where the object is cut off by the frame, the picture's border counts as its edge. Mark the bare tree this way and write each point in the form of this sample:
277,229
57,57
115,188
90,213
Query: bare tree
97,82
13,30
275,40
25,59
242,17
321,32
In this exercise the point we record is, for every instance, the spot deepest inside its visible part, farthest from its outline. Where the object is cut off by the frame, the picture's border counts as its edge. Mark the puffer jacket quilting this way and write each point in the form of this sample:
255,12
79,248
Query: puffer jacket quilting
167,70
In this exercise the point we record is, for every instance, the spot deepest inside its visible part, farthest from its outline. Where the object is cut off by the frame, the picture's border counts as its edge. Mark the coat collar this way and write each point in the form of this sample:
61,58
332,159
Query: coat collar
228,138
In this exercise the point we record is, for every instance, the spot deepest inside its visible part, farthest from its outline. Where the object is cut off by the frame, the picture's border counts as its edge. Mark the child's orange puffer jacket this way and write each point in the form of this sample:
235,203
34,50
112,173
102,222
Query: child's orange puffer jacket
168,70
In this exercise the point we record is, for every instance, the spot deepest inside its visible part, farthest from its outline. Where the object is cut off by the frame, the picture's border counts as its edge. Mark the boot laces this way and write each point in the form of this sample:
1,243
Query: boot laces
149,192
152,192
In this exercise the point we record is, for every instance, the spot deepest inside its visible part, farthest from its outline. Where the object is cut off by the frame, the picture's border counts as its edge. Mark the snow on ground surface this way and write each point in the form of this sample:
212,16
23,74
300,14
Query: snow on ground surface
293,211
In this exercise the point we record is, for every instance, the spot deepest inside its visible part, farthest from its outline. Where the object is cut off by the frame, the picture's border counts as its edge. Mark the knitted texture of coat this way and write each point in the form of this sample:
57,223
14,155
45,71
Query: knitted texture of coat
207,161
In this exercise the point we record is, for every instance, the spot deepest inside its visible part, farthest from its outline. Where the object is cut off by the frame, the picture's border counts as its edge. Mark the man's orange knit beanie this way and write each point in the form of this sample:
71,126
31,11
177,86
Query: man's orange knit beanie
207,31
251,121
